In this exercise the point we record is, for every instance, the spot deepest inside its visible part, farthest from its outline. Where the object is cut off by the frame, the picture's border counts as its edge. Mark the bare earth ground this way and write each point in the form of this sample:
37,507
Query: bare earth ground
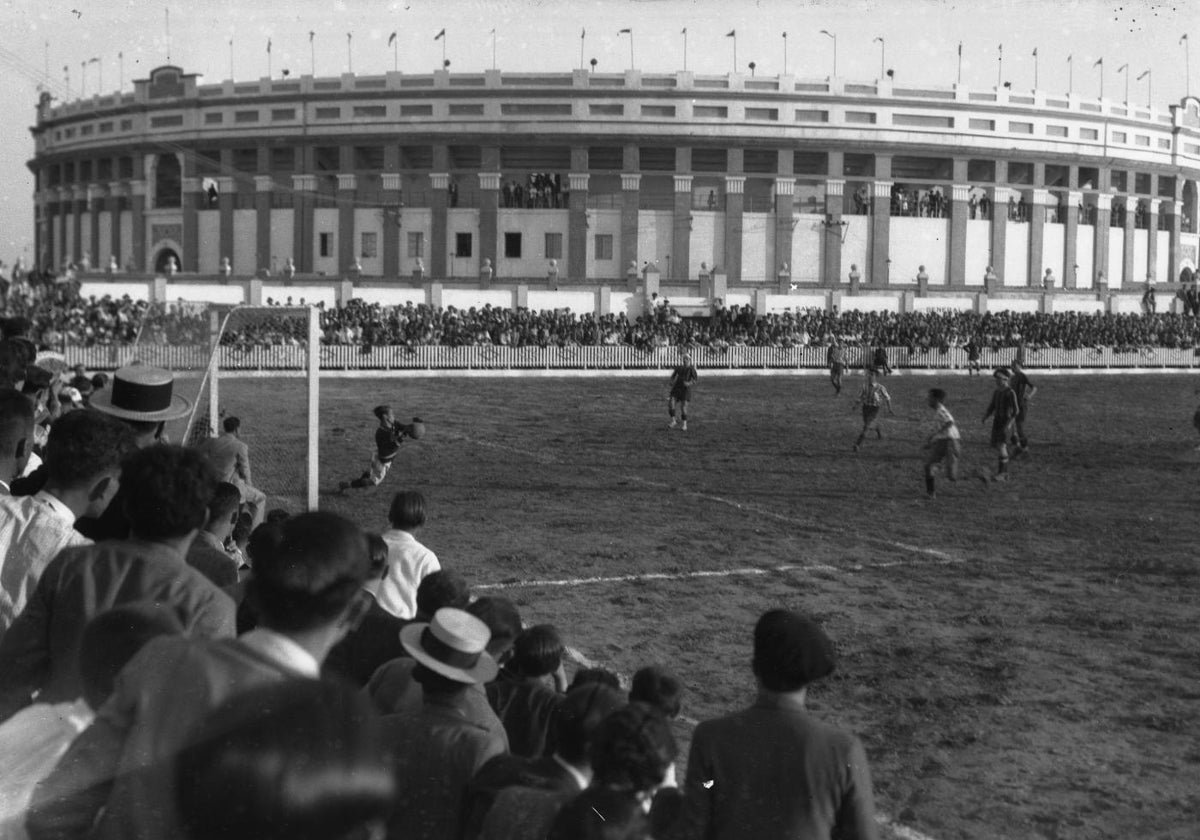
1020,660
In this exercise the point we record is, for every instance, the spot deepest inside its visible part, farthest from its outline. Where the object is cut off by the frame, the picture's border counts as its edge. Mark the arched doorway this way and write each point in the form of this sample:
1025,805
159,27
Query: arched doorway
163,259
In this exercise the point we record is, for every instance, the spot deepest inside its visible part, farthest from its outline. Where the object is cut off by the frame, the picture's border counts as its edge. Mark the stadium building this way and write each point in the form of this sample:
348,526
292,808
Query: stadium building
733,182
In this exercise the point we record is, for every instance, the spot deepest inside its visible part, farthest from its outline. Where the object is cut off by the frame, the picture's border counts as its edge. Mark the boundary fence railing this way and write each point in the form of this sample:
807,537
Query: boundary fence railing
353,357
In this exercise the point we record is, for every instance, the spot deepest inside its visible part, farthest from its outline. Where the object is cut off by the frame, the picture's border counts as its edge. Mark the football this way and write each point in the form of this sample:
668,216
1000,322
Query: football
415,429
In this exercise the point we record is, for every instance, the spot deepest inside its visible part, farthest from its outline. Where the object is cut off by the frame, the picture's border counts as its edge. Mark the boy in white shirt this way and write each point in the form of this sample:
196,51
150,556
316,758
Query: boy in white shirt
943,443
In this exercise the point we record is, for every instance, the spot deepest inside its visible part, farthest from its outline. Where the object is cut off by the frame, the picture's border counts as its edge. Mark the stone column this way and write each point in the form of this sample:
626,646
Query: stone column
1153,207
189,260
226,187
95,200
681,230
881,224
43,244
78,204
960,214
1037,200
577,225
735,203
137,201
439,247
785,192
347,183
393,223
831,232
1129,274
631,184
1071,238
1100,240
1000,196
1174,209
304,188
262,222
489,210
116,190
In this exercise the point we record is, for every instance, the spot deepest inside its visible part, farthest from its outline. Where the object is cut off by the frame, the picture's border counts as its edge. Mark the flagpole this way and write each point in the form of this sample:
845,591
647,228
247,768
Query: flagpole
1035,69
349,53
826,32
959,63
735,64
1070,75
1187,64
268,58
1124,68
312,53
1149,88
121,68
493,49
167,12
632,64
1000,66
685,49
785,53
582,42
1101,65
882,55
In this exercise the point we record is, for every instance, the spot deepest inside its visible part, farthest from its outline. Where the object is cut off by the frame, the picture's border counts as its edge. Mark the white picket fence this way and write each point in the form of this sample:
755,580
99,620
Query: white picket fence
348,357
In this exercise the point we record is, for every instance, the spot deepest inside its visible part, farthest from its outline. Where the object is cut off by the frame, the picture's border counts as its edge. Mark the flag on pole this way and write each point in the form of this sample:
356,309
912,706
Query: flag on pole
1122,68
684,32
268,46
312,34
441,34
582,34
1184,38
1099,62
1144,75
623,31
732,33
1035,52
960,49
391,39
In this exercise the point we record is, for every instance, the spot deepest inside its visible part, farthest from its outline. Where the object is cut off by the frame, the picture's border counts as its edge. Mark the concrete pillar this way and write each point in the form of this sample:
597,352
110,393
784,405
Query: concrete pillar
489,220
304,188
95,202
681,229
960,214
999,198
1153,207
1071,237
832,230
189,260
1100,241
347,248
630,190
78,203
1174,210
262,223
577,225
393,223
137,202
439,246
254,295
881,224
1129,273
226,185
1037,200
785,191
735,203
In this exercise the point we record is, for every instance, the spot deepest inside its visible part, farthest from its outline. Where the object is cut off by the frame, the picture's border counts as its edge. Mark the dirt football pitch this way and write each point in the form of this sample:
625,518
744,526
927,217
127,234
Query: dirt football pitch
1021,660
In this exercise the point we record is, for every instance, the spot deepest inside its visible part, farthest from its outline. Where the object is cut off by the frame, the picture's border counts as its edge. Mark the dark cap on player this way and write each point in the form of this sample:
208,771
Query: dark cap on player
1002,373
381,410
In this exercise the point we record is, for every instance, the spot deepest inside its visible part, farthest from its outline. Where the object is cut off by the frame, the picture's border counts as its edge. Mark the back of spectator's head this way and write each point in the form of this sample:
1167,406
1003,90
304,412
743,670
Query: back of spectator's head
13,362
243,528
378,551
632,749
579,714
277,515
503,620
36,379
443,588
601,814
84,449
16,429
658,688
167,489
113,637
263,540
99,381
790,651
407,511
309,578
537,651
224,503
603,676
298,760
231,424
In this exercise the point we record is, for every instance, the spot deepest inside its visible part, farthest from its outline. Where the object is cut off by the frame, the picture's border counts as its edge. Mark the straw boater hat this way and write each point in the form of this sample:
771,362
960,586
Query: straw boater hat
453,644
142,393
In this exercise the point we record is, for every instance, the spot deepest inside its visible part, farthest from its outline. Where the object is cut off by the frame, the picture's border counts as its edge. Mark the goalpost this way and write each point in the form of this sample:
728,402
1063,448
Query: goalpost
260,364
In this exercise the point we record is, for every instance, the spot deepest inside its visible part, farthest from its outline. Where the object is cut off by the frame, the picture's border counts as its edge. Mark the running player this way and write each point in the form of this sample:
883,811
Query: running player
943,443
1024,389
872,397
682,379
1003,411
972,348
388,438
835,357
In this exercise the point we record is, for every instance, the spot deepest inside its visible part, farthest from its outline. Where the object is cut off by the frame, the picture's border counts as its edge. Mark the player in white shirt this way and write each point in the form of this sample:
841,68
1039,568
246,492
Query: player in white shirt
943,443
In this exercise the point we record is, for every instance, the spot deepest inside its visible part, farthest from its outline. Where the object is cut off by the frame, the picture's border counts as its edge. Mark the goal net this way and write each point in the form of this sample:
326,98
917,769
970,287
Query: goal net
252,363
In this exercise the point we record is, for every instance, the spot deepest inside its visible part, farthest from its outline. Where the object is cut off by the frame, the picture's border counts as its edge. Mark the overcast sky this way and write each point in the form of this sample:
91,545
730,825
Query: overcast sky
920,42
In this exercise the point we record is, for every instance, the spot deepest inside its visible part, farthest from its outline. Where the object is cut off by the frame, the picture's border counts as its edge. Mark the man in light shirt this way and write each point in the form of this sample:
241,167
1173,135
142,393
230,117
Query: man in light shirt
16,436
408,561
943,444
83,463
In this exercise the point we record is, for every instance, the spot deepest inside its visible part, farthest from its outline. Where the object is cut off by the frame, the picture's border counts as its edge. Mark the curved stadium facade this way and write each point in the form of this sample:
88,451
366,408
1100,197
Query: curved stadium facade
744,182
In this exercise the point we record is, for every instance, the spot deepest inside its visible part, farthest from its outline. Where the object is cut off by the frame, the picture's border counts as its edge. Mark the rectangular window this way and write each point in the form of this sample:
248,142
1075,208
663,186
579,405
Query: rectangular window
604,246
1089,134
535,109
923,120
982,125
282,114
512,246
1056,131
1141,140
370,111
166,122
606,110
325,244
214,118
245,116
127,125
719,112
106,128
1118,136
658,110
416,110
1163,142
462,244
804,115
370,245
416,245
865,117
466,110
329,113
762,114
1020,128
554,246
85,130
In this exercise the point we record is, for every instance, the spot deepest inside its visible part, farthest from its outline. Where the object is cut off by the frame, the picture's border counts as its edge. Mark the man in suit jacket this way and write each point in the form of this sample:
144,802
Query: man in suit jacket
230,457
307,594
773,771
166,497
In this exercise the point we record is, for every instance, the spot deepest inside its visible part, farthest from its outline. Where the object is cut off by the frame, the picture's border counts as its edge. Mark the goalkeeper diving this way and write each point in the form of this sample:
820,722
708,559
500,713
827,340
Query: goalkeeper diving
388,437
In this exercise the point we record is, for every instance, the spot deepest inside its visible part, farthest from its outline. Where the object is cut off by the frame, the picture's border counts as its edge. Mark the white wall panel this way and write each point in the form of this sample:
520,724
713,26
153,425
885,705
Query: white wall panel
707,228
956,304
1016,254
1141,255
1082,305
464,220
604,223
979,251
1053,238
856,246
758,248
206,292
871,303
532,225
1013,304
245,242
478,298
300,295
390,295
916,242
104,231
1164,271
208,240
282,236
809,237
577,302
325,220
127,240
1085,249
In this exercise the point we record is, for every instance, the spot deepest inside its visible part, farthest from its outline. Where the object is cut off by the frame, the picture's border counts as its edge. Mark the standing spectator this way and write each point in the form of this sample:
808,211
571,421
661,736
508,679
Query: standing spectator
83,461
116,782
16,436
522,699
438,751
408,561
207,553
166,502
773,771
230,457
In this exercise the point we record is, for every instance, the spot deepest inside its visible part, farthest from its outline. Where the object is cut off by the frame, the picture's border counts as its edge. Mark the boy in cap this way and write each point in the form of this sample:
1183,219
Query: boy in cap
943,443
1003,410
682,379
388,438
